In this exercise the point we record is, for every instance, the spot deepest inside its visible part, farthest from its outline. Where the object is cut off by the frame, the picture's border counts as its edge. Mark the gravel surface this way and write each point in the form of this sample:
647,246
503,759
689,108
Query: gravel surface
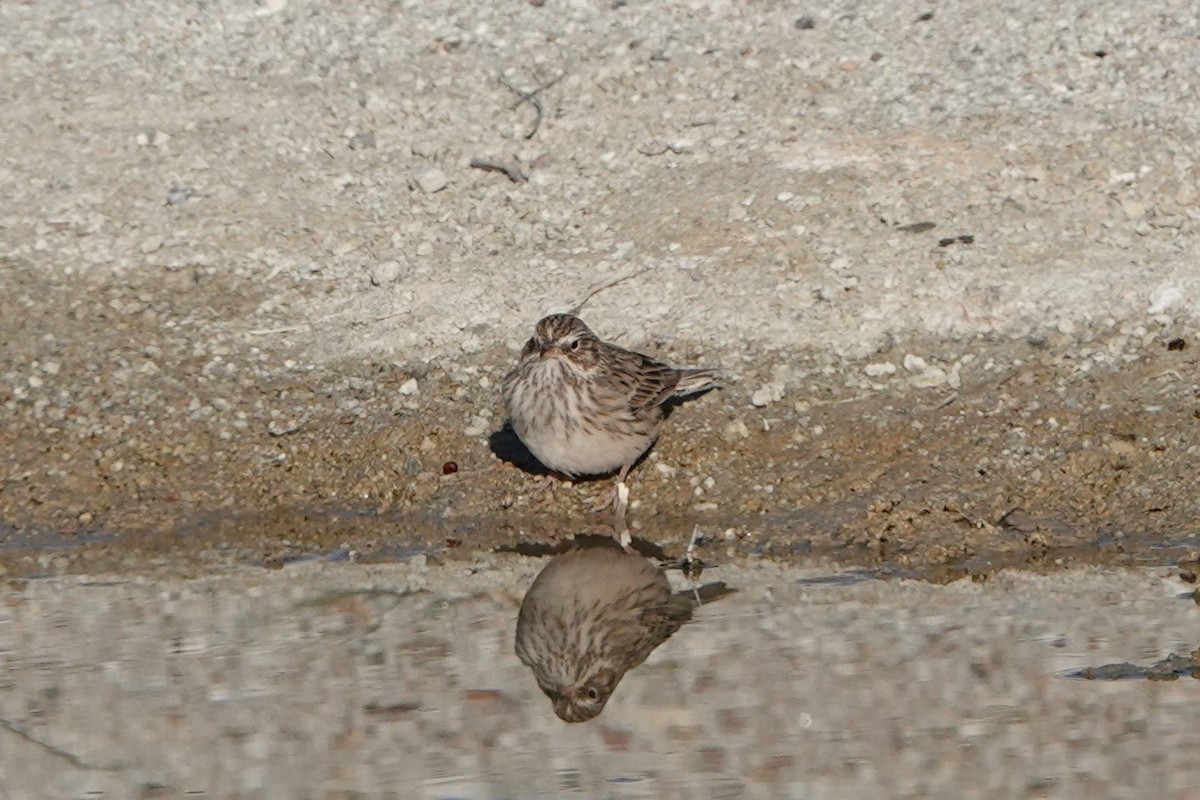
252,277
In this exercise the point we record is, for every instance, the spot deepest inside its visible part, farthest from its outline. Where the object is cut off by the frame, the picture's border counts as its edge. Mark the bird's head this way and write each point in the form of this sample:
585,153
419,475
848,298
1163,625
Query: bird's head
563,337
584,699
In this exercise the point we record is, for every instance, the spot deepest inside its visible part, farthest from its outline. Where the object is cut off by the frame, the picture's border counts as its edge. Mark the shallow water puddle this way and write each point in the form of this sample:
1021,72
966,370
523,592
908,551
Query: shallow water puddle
336,680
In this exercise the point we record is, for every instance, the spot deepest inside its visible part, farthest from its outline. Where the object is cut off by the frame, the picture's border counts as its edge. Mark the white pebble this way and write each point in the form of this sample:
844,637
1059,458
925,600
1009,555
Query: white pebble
735,430
879,370
933,376
767,394
1163,299
429,180
1134,209
385,272
915,363
409,387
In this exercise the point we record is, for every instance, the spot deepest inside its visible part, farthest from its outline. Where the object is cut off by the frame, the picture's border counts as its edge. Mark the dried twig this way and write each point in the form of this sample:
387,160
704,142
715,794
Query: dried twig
392,315
938,406
597,288
274,331
511,170
532,98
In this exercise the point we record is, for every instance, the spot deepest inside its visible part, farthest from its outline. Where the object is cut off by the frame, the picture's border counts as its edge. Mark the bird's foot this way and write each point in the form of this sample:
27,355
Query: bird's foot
545,485
605,500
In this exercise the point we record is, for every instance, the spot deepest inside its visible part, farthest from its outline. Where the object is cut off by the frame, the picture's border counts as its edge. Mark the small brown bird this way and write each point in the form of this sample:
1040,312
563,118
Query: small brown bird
587,407
592,614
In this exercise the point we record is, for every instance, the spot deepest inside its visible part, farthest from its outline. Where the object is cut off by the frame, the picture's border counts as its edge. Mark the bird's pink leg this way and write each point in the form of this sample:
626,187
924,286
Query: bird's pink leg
545,484
618,498
610,495
622,530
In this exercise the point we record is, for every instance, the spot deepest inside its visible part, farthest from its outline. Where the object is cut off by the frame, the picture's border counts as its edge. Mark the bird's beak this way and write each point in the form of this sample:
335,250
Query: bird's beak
551,350
568,693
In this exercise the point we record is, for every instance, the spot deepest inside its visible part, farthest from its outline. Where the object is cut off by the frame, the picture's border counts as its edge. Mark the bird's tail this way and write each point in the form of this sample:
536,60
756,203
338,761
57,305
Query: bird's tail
695,380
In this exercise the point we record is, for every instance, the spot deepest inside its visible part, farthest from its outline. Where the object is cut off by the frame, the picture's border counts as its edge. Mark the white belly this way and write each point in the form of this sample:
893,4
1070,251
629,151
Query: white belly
582,453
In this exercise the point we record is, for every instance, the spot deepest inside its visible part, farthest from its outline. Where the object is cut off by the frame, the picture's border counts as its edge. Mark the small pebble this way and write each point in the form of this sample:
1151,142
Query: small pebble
767,394
879,370
933,376
384,273
735,430
429,180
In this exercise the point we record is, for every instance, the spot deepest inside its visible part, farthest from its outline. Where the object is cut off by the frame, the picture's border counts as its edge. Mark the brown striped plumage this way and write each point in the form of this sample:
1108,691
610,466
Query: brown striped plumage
587,407
592,614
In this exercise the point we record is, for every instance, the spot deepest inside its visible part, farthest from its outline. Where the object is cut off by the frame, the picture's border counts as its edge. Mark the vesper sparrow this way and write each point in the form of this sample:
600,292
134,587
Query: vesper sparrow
591,614
588,407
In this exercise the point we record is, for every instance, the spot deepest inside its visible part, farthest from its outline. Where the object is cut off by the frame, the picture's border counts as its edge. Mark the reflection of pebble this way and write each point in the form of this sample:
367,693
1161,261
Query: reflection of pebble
179,194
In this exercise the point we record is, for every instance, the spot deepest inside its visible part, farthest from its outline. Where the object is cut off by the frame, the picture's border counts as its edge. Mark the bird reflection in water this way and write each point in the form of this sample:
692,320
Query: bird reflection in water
593,613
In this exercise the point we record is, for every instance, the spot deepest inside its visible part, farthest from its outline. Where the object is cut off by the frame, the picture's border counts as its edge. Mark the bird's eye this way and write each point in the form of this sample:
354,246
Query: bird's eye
575,345
592,694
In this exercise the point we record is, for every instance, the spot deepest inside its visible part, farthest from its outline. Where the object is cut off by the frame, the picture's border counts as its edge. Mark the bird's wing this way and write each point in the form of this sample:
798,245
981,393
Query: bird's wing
648,383
662,620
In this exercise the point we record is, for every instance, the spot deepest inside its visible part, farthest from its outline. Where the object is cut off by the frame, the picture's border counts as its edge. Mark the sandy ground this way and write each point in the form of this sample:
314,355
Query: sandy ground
257,302
242,321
